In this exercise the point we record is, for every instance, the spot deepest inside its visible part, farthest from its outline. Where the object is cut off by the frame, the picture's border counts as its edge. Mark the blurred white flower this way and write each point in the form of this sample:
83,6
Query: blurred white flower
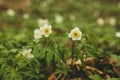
37,34
75,34
70,1
119,5
100,21
42,22
72,17
58,19
46,30
25,16
50,1
10,12
27,53
44,4
117,34
112,21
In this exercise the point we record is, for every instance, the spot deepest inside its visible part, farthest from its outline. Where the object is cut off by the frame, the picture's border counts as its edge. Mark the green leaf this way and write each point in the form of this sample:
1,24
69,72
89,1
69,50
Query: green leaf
13,50
36,51
95,77
113,79
90,50
49,58
2,60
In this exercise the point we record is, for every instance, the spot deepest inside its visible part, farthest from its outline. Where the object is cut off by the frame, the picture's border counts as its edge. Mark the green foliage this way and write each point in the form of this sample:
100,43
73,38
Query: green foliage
55,54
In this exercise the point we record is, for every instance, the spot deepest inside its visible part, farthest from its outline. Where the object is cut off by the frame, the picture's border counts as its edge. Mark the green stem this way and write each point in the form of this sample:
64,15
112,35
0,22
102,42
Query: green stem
73,51
46,42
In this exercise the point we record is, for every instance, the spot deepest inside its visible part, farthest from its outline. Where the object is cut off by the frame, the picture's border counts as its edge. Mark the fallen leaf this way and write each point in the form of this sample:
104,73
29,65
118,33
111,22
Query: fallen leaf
117,70
90,61
52,77
78,62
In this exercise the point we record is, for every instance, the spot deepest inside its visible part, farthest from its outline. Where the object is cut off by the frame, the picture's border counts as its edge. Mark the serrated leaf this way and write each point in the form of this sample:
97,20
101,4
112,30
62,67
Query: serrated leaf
49,58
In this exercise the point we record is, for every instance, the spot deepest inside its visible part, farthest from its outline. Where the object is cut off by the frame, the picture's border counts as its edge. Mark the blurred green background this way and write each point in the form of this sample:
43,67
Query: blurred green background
98,19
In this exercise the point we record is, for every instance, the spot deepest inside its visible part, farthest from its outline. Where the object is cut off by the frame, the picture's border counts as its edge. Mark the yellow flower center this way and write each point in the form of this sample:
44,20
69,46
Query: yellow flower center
75,34
46,31
26,54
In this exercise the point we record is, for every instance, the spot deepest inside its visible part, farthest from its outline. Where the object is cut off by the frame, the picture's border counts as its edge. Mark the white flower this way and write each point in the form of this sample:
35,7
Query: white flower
58,19
37,34
112,21
75,34
117,34
10,12
25,16
46,30
42,22
100,21
27,53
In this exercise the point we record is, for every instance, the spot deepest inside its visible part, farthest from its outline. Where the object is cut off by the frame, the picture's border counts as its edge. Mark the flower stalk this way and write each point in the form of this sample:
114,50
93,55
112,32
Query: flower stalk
73,52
